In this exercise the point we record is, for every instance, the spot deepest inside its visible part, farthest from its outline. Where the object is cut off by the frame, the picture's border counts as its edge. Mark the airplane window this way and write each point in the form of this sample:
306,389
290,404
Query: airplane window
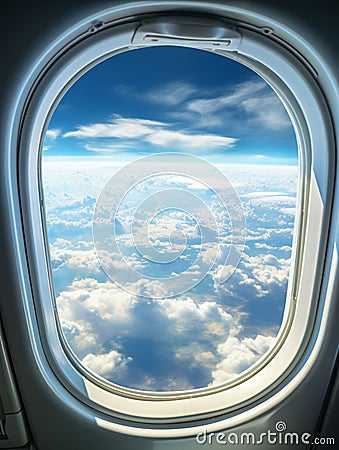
170,180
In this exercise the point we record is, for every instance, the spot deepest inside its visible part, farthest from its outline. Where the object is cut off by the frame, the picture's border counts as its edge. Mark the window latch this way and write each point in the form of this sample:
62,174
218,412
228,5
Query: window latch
208,34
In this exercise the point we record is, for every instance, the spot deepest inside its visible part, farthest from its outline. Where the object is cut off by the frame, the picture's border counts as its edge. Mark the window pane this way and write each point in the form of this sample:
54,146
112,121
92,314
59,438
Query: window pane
148,291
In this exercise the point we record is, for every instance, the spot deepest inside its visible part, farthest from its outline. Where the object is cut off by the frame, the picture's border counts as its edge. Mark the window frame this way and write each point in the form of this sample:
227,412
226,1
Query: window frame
171,415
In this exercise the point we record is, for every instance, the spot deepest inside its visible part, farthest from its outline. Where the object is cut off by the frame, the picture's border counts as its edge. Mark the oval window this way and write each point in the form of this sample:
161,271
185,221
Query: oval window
170,177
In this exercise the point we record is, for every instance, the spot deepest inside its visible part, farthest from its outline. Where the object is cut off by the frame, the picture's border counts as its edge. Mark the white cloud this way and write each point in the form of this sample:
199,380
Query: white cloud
153,132
80,336
262,157
188,315
238,355
269,270
71,224
87,297
84,261
288,211
256,277
52,134
105,364
177,383
262,195
177,139
241,285
105,148
264,245
271,201
119,127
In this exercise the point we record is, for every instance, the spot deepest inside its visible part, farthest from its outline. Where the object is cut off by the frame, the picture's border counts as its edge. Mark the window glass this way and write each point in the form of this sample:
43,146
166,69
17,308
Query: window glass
170,177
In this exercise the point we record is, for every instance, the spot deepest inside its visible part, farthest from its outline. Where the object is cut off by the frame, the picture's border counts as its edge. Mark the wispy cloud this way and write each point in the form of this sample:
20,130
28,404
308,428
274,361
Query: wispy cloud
257,104
118,127
159,134
234,97
108,148
168,138
170,94
260,157
267,111
166,94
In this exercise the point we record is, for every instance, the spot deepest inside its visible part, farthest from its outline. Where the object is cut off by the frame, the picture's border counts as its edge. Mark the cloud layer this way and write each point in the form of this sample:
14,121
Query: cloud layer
205,337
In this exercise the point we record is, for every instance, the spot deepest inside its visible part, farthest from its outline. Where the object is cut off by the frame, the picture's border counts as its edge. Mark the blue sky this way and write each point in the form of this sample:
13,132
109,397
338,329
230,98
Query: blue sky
172,99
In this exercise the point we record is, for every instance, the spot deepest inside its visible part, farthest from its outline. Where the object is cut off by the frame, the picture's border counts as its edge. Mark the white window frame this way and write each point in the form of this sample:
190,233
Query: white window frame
278,373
